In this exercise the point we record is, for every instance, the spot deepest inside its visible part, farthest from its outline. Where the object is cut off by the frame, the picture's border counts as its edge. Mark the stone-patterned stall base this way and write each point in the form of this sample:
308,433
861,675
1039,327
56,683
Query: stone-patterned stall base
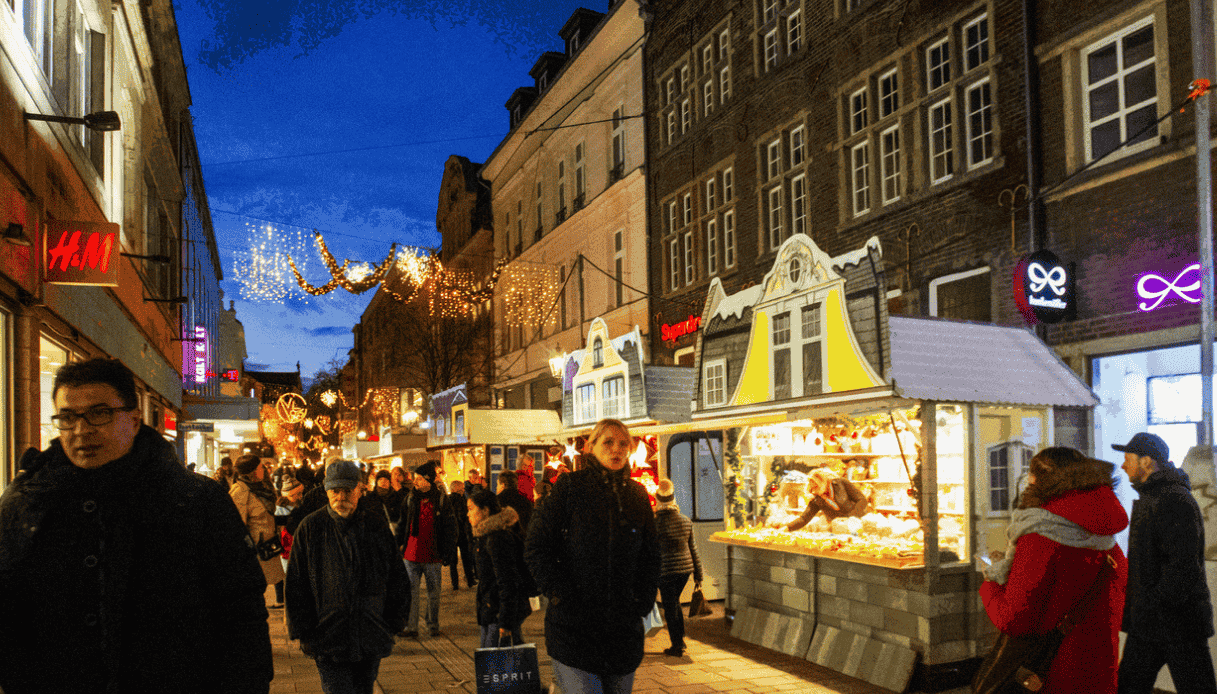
883,664
779,632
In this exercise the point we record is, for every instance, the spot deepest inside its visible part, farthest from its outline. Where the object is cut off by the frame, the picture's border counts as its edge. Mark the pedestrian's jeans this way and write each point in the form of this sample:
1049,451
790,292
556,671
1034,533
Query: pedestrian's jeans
490,637
348,678
575,681
431,571
1190,663
670,588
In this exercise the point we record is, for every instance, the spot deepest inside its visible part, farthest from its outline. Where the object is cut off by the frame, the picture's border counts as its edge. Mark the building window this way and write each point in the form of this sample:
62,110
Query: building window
686,116
724,82
976,42
715,374
38,20
798,146
812,334
673,264
798,204
672,217
889,94
1008,462
619,263
671,127
710,195
670,92
860,164
687,209
724,44
580,184
707,58
938,64
773,160
942,152
684,78
585,403
561,190
794,32
1121,95
769,10
708,96
598,353
688,257
857,111
728,185
781,356
729,239
775,217
613,397
540,197
771,49
711,247
980,125
889,141
962,296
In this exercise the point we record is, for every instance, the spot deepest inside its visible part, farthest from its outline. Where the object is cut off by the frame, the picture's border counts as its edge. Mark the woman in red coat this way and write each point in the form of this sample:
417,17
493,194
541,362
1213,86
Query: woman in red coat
1062,534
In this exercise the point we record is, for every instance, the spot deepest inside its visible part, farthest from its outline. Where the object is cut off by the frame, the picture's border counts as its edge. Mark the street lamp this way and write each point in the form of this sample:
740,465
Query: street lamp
101,121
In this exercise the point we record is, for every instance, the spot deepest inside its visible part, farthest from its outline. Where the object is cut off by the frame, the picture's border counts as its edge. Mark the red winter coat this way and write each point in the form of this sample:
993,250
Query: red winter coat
1048,578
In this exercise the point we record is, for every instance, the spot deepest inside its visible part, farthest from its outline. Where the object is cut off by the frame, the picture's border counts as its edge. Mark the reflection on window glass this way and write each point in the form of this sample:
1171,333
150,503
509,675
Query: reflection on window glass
50,357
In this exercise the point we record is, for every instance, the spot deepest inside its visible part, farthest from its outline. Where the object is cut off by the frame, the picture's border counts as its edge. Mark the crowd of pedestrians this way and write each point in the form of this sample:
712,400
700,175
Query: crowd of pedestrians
112,546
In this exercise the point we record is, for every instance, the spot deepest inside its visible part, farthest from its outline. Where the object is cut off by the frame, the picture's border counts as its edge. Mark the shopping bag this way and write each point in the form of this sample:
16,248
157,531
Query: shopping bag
698,607
653,622
507,670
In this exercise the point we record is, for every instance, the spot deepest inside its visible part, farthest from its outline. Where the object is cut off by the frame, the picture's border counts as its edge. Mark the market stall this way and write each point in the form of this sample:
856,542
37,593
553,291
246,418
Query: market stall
850,521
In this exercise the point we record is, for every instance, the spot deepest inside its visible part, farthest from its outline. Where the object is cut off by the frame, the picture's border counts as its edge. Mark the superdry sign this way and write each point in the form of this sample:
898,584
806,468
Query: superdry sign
82,253
670,333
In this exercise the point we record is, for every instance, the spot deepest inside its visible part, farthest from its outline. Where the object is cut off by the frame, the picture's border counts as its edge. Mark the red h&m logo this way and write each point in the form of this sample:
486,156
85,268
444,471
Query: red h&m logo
82,253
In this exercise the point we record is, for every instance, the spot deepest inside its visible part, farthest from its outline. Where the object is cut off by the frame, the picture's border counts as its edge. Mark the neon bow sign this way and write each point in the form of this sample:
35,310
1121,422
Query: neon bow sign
1155,288
1039,277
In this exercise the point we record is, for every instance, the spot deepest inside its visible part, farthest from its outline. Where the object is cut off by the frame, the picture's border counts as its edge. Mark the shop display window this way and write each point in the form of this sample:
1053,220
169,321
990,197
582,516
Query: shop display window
51,356
695,467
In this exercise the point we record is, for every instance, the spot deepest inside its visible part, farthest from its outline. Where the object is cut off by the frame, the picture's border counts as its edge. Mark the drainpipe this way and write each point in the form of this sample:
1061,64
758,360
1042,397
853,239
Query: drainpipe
1031,108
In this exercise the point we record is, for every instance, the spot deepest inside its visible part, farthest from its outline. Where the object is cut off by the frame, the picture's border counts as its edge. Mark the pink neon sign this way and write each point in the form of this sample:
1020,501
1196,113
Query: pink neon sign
1156,289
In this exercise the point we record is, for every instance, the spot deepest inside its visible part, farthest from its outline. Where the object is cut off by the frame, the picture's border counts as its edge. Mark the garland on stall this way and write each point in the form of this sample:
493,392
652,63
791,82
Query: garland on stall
733,481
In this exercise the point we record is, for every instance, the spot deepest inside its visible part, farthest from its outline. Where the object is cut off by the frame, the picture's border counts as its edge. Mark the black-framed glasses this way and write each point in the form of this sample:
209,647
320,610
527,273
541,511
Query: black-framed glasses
94,416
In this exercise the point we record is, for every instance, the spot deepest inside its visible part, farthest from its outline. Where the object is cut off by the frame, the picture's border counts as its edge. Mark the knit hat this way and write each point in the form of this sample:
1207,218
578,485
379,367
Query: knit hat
342,474
383,475
666,491
246,464
290,483
427,470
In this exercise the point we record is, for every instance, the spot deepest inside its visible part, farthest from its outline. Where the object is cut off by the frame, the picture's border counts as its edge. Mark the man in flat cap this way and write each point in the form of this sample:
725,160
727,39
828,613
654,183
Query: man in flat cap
1168,614
347,591
427,536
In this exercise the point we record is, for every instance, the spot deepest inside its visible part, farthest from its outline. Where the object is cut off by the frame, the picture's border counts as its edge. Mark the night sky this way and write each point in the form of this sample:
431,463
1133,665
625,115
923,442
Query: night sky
312,115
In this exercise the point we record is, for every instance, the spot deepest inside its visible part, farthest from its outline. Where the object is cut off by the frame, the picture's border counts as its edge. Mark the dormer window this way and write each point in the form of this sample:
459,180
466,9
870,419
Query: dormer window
543,82
598,353
574,43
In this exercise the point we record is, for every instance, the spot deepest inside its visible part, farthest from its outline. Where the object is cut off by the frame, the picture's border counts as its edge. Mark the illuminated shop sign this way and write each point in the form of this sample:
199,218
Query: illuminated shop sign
232,375
671,333
1043,287
1157,291
200,354
82,253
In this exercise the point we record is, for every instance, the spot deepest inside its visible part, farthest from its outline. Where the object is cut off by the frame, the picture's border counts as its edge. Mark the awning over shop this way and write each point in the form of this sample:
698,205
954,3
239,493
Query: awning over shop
952,361
210,409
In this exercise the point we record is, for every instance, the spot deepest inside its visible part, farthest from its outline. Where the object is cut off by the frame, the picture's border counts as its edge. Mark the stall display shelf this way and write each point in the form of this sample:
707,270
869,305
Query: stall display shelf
916,562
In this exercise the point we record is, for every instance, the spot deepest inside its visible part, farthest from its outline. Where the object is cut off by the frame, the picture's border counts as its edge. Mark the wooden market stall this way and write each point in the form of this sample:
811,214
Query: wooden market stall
930,421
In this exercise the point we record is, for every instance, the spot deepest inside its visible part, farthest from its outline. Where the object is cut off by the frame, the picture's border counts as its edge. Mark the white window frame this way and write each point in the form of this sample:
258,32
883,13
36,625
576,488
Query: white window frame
707,95
771,49
768,11
798,204
684,77
728,184
707,58
987,135
889,93
794,32
686,116
859,115
618,137
712,247
979,48
670,92
687,210
619,267
799,385
773,159
580,177
889,164
724,83
947,279
561,185
798,146
775,347
620,400
36,19
1123,71
711,194
774,214
672,217
671,126
943,158
688,257
714,381
585,408
724,44
938,71
859,176
674,263
729,239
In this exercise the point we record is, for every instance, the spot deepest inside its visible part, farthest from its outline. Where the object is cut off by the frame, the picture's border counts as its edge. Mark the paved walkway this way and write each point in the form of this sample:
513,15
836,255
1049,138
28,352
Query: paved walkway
713,661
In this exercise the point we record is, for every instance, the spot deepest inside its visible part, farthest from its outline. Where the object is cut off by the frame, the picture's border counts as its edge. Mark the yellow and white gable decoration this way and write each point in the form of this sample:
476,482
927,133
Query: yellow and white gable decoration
801,341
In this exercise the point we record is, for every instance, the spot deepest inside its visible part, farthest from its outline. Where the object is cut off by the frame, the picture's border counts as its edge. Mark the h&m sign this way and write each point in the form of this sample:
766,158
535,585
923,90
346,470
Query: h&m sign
82,253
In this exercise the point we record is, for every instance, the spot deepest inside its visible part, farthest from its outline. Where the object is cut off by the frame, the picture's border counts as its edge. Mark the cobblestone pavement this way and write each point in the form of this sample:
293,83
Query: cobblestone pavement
713,660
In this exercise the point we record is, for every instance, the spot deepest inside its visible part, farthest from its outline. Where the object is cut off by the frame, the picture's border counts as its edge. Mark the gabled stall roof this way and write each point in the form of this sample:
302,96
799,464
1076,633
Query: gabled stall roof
952,361
505,427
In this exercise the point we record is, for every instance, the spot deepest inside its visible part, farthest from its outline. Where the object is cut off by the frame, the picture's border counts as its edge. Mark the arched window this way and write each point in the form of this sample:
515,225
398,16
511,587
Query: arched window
597,353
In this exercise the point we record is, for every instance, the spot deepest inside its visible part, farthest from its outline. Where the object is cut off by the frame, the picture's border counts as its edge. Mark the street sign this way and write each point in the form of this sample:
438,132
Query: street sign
207,427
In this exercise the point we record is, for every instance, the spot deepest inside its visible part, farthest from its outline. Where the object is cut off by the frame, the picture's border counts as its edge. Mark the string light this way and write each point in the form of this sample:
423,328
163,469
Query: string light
356,278
263,270
527,294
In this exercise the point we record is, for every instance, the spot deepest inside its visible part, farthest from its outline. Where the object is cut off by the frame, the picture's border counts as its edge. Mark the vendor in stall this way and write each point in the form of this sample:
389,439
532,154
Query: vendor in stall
834,495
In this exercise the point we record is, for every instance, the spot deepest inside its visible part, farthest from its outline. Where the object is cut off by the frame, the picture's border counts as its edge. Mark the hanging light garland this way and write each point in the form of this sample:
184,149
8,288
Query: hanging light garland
356,278
263,270
528,293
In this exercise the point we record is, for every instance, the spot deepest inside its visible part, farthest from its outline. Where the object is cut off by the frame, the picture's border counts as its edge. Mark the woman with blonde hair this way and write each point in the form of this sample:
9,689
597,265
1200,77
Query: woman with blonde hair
593,551
835,496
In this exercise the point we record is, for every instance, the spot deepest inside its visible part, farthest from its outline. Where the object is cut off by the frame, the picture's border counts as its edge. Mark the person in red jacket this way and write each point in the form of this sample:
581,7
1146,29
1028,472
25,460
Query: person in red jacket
526,476
1062,535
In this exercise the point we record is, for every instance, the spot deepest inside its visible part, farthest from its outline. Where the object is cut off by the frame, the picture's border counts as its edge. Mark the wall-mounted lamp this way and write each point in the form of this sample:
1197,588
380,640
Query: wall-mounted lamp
14,233
102,121
556,364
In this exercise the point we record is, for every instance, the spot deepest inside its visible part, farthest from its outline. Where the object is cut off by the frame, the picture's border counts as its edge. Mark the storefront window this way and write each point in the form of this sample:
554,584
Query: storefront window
51,356
953,500
695,468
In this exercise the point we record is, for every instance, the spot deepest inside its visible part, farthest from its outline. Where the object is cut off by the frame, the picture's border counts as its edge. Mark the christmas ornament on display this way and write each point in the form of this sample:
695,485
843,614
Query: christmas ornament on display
291,408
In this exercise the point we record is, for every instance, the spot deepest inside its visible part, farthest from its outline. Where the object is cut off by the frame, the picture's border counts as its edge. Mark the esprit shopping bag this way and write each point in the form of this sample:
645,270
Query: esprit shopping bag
508,670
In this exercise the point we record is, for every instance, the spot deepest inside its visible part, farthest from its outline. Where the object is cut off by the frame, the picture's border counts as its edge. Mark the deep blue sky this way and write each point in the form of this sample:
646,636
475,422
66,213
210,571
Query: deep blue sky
271,79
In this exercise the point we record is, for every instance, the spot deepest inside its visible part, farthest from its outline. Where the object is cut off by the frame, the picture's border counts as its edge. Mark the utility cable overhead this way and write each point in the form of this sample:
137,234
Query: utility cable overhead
350,150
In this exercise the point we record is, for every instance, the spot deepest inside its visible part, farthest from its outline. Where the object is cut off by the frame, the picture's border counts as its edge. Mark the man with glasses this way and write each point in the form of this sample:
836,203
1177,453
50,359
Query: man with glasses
120,570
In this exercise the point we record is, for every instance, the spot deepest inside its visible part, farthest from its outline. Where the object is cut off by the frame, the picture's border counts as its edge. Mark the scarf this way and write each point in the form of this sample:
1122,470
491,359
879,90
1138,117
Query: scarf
1036,520
264,494
615,479
435,495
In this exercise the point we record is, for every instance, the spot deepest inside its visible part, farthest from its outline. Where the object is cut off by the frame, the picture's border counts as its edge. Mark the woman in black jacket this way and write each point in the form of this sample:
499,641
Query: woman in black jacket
499,553
593,551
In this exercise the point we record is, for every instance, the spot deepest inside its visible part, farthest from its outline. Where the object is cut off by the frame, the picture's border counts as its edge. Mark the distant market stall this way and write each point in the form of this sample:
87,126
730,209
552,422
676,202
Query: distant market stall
930,421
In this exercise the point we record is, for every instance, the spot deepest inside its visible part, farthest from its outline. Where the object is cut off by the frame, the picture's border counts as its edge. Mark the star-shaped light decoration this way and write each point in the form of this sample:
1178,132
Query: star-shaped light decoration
329,397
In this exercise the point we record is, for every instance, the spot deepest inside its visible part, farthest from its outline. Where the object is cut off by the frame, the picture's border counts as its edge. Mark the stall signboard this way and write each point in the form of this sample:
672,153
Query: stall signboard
82,253
1044,288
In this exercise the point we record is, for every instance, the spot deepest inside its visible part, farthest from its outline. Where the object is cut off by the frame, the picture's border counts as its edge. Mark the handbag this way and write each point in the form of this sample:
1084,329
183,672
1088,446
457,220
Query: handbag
653,622
1018,664
508,670
698,607
269,548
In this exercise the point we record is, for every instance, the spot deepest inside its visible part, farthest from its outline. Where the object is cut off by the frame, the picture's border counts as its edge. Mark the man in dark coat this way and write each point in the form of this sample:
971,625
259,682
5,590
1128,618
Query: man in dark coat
347,591
1168,613
123,572
464,535
426,535
509,495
